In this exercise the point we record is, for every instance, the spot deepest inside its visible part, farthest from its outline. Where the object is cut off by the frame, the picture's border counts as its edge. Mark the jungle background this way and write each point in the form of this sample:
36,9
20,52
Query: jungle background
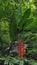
18,17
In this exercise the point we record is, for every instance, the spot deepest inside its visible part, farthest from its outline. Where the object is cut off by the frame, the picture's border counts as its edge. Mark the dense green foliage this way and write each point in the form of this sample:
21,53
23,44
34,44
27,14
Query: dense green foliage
19,17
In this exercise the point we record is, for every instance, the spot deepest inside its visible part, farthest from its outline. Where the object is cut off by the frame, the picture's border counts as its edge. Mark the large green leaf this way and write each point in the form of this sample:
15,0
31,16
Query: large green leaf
32,26
24,18
13,28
